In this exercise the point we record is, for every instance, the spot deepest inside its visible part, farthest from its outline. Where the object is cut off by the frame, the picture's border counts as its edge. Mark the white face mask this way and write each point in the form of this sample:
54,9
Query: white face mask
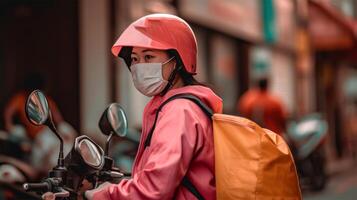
147,78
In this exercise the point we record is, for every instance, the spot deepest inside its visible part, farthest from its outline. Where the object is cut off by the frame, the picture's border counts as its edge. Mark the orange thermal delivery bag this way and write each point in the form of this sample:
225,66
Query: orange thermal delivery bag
252,162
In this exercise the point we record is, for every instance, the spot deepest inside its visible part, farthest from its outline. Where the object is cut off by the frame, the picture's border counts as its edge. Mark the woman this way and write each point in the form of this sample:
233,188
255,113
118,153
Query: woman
160,51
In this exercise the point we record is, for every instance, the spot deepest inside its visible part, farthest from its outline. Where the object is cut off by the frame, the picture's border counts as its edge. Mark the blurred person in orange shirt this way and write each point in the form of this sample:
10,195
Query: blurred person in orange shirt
15,108
262,107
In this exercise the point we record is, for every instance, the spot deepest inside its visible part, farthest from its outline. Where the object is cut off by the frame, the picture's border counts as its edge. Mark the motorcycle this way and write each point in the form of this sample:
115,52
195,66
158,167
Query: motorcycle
85,161
307,138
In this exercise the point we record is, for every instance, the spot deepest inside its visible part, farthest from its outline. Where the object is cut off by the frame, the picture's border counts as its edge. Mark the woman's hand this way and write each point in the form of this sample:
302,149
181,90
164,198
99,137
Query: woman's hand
89,194
48,196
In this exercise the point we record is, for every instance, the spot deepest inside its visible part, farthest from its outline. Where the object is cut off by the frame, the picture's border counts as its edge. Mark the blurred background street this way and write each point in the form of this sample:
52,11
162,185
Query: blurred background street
306,49
342,183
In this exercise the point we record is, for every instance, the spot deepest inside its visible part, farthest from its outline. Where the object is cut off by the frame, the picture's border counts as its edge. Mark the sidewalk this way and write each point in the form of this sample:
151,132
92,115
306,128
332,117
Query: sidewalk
341,165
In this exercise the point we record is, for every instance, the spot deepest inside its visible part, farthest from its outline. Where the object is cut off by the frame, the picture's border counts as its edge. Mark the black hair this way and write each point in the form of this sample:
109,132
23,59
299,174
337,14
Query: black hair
125,53
187,78
263,83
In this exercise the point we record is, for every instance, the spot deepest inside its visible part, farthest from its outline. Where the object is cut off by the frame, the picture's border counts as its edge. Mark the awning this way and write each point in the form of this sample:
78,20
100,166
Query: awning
329,29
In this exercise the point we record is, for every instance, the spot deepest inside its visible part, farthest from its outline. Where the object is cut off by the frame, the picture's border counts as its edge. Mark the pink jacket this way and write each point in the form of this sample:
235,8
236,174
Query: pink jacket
182,144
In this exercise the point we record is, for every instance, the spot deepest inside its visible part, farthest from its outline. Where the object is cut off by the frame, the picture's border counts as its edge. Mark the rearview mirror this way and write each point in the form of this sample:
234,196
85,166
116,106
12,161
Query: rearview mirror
39,113
113,120
37,109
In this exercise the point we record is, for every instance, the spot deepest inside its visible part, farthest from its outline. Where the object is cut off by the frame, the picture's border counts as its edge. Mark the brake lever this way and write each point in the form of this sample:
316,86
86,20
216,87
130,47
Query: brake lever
115,174
112,176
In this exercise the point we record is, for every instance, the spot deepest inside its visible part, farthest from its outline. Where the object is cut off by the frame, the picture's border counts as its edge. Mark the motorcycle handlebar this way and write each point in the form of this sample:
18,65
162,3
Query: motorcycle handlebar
44,186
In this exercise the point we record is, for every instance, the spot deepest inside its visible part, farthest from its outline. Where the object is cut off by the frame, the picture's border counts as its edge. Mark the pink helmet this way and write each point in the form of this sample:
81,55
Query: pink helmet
164,32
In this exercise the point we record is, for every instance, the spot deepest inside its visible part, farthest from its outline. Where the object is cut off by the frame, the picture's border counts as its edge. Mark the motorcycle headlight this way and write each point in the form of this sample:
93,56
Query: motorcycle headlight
90,153
85,157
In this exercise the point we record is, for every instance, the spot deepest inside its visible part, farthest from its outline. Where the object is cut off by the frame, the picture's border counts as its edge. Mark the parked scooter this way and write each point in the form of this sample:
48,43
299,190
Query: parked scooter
86,160
307,137
15,153
15,143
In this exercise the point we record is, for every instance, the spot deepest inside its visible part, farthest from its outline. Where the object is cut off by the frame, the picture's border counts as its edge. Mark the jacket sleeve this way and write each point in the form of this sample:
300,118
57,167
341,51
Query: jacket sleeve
166,160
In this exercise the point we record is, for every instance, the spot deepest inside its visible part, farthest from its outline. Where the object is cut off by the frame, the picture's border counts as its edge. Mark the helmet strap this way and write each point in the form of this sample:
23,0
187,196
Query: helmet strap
171,80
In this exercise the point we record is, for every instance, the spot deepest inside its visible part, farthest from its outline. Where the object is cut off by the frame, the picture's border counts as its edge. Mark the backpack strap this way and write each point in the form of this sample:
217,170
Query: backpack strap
185,181
188,96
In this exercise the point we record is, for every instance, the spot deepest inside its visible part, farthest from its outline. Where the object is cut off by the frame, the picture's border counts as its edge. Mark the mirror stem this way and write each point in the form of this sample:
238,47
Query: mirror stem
60,161
107,143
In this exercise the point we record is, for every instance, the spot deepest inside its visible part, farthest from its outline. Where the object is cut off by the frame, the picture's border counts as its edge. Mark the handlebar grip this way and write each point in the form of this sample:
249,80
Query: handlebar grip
44,186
